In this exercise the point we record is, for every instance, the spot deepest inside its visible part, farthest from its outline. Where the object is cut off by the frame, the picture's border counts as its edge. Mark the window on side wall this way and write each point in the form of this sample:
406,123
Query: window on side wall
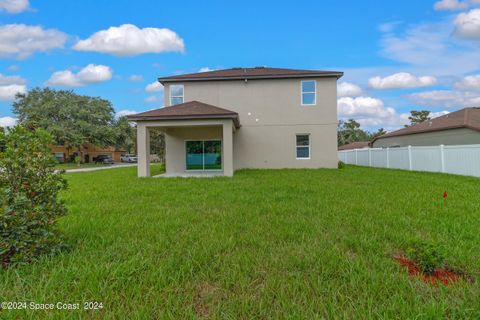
176,94
309,92
303,146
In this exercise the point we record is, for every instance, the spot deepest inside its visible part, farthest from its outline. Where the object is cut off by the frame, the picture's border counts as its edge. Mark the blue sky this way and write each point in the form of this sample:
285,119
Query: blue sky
397,55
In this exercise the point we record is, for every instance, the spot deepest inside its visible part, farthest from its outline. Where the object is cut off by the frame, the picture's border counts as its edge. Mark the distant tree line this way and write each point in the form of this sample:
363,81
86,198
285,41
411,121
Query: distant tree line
350,131
76,120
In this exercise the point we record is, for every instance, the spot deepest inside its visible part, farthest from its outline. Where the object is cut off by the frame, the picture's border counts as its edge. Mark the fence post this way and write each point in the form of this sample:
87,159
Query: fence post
388,158
442,157
356,161
369,157
410,158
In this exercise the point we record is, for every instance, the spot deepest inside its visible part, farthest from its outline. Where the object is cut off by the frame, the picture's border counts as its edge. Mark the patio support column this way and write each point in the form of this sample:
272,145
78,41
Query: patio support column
143,150
227,148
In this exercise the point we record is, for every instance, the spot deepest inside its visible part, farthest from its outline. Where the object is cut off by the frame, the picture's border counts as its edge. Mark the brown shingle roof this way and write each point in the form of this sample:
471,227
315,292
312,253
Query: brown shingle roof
465,118
185,111
355,145
250,73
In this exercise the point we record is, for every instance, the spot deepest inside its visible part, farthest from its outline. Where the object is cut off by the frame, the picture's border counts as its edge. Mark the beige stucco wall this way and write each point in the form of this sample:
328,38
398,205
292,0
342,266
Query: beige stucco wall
271,115
446,137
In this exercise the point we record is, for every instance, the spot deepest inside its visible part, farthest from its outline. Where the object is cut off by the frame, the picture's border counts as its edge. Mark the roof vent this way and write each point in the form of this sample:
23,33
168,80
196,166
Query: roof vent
429,123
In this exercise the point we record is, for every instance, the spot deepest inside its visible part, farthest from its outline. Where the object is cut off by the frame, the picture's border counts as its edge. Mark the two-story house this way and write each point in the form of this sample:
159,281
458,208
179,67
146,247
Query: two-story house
224,120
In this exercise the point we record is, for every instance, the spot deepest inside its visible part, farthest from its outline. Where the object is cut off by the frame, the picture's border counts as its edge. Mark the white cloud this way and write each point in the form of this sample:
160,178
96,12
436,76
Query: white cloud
152,99
8,122
135,78
430,49
154,87
438,114
389,26
13,67
370,112
205,69
401,80
469,83
449,99
451,5
129,40
20,40
125,112
347,89
90,74
14,6
10,86
8,92
467,25
5,80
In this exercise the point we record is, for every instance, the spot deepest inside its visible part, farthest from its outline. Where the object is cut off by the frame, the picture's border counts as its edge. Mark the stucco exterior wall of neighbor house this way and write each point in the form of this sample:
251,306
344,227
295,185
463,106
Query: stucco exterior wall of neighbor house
271,114
459,136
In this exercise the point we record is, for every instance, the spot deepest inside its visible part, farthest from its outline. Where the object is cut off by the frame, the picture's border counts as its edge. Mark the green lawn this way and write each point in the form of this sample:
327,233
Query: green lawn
299,244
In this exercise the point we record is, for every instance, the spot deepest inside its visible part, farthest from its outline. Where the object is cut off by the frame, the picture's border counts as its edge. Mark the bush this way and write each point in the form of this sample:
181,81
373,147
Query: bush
341,165
29,186
78,160
427,255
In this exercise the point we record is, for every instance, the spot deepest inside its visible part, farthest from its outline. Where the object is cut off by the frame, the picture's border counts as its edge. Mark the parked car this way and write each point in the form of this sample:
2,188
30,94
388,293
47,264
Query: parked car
130,158
103,159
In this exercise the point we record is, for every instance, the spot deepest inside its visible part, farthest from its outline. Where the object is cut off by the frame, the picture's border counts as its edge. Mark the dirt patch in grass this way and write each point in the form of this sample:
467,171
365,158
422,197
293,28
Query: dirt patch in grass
204,291
443,275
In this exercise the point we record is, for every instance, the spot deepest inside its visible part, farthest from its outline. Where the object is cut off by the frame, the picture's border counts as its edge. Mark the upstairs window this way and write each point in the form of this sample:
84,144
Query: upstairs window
309,92
303,146
176,94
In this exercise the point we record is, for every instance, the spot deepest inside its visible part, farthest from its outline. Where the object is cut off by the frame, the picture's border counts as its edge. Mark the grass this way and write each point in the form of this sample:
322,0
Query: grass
299,244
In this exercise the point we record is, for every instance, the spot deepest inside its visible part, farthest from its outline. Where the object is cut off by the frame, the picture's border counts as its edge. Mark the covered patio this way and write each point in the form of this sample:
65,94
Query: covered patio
198,139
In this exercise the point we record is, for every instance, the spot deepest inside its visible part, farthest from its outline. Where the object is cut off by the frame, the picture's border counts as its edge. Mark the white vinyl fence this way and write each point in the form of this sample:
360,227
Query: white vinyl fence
463,160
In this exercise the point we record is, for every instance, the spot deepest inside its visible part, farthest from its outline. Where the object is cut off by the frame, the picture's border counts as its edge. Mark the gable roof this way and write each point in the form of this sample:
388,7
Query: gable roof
250,73
186,111
355,145
465,118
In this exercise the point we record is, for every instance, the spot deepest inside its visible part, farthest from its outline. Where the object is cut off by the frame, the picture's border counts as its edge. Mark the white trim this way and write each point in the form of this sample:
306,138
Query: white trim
170,93
203,158
314,93
297,146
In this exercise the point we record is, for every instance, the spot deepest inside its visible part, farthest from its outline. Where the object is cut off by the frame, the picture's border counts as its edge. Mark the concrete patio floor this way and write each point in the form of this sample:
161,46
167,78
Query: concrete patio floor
194,174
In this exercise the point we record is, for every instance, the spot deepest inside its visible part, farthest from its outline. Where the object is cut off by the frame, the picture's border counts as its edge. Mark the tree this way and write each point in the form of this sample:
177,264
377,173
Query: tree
29,187
157,144
72,120
349,131
417,117
125,134
380,132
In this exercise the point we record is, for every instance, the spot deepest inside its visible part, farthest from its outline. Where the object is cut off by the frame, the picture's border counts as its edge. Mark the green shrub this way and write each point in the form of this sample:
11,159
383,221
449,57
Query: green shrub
341,165
29,186
427,255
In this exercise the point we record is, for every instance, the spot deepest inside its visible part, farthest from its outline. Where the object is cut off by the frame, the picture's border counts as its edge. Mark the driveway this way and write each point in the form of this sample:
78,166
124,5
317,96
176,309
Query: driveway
113,166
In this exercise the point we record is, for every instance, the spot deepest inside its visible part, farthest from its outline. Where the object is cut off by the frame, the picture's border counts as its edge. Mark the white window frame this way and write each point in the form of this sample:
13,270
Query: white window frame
182,96
297,146
314,93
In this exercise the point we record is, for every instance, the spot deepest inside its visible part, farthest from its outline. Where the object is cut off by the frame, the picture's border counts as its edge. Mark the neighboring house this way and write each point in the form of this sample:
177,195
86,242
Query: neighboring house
90,151
456,128
244,118
355,145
